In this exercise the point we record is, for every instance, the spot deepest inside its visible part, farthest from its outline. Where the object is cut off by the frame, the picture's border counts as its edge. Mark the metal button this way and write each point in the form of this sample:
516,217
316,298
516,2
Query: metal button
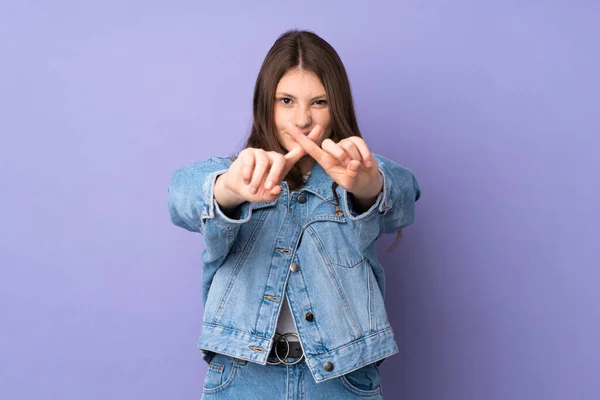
294,267
309,317
302,199
328,366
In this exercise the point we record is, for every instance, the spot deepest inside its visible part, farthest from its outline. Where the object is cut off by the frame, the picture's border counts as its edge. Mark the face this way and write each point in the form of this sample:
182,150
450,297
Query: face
301,98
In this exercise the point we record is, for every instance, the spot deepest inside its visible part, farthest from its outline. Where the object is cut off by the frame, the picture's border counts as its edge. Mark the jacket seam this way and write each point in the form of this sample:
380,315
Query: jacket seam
335,280
370,298
238,267
233,330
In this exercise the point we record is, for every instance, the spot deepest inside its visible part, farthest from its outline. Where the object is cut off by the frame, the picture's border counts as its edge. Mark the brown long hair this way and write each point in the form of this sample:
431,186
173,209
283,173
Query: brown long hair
305,50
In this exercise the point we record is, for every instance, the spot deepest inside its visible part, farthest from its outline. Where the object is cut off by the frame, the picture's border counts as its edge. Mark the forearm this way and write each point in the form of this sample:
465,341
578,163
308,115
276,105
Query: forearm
227,200
365,199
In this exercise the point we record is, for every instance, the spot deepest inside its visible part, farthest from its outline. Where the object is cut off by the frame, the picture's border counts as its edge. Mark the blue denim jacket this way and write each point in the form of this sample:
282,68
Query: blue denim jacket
336,276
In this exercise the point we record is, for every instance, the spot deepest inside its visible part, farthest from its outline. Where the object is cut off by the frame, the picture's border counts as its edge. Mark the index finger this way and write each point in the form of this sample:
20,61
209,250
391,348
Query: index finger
363,149
294,155
309,145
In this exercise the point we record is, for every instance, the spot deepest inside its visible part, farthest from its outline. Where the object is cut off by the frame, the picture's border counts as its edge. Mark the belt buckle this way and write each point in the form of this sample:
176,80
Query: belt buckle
282,360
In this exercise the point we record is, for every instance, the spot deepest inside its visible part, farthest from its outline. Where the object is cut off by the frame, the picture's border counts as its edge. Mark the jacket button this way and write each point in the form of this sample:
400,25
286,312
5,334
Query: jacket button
309,317
302,199
328,366
294,267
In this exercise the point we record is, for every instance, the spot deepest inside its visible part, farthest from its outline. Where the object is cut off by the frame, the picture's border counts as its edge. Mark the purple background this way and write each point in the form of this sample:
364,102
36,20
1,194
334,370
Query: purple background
494,292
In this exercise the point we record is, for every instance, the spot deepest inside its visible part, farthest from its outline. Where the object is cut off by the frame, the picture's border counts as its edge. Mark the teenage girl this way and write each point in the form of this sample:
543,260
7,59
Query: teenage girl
292,288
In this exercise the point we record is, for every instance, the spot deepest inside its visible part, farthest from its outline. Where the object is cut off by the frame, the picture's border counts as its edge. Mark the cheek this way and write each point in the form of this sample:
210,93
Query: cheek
280,116
277,115
324,119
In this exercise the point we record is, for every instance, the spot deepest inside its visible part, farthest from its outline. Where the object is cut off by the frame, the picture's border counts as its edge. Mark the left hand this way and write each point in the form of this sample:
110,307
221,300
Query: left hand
349,163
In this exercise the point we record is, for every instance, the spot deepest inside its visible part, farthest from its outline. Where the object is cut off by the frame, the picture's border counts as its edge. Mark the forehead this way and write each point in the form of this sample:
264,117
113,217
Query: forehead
301,82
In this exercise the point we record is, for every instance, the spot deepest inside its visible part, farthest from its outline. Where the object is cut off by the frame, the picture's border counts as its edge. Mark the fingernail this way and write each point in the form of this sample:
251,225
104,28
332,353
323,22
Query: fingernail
253,190
354,167
269,185
369,164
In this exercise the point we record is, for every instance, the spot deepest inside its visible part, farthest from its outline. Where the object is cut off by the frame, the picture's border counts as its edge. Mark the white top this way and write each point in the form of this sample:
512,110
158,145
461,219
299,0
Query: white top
285,323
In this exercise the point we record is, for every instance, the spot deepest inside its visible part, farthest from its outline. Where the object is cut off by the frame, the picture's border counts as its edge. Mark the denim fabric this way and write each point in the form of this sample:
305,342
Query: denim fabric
228,378
247,260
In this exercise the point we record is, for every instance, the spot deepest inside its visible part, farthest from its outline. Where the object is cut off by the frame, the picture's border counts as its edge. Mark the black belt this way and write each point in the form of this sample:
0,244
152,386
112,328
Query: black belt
284,348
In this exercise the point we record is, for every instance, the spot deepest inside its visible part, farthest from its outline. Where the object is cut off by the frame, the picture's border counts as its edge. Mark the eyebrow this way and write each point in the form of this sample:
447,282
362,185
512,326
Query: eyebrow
294,97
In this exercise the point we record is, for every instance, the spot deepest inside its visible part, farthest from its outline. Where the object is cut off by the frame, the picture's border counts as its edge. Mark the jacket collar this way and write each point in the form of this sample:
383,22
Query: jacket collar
319,183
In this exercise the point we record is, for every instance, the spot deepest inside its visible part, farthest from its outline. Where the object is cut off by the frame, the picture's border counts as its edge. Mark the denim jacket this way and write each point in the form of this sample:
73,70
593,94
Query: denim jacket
311,244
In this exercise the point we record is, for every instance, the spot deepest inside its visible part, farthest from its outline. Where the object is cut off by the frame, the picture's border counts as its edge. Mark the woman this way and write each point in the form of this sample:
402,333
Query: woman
292,288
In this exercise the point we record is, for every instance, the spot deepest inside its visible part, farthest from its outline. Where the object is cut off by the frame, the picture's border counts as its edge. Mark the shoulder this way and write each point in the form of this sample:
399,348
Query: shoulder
213,163
225,161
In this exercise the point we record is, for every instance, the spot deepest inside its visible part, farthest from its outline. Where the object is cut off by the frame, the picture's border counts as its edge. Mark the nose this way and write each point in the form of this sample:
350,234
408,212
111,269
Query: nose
303,119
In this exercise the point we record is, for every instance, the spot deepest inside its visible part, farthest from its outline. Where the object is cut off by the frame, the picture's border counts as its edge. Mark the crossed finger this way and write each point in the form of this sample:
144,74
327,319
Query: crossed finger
313,149
280,166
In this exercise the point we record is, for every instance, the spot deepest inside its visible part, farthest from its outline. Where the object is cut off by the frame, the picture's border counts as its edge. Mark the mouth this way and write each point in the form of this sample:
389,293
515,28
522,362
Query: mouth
306,133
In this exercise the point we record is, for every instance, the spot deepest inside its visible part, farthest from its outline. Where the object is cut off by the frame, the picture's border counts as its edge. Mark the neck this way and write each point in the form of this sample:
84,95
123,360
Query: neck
306,164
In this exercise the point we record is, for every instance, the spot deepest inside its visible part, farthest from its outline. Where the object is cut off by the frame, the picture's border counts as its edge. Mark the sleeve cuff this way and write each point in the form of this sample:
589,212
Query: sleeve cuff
211,209
381,203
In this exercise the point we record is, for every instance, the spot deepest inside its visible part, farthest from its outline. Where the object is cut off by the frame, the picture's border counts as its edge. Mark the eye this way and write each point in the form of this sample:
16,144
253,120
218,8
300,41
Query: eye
286,100
321,102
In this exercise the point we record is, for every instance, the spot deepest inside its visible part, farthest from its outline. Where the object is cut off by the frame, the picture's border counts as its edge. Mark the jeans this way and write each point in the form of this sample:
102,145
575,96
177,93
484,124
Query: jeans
229,378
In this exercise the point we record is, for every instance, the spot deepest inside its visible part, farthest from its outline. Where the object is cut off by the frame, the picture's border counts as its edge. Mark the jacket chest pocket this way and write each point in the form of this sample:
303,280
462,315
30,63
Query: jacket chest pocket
336,242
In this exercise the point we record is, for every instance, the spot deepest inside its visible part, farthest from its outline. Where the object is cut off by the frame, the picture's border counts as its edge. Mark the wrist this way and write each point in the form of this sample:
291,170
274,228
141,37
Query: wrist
370,193
225,197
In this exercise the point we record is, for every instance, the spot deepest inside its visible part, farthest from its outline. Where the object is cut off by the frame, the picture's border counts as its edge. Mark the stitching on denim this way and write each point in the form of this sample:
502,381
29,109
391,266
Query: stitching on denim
320,338
274,267
370,299
238,267
334,278
227,383
232,329
324,254
360,392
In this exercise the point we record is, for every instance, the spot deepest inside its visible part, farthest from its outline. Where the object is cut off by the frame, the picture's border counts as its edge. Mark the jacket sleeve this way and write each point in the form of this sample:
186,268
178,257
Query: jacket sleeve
399,195
393,209
192,206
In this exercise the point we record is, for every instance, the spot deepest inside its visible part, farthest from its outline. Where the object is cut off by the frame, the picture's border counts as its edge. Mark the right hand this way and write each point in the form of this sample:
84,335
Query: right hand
255,174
